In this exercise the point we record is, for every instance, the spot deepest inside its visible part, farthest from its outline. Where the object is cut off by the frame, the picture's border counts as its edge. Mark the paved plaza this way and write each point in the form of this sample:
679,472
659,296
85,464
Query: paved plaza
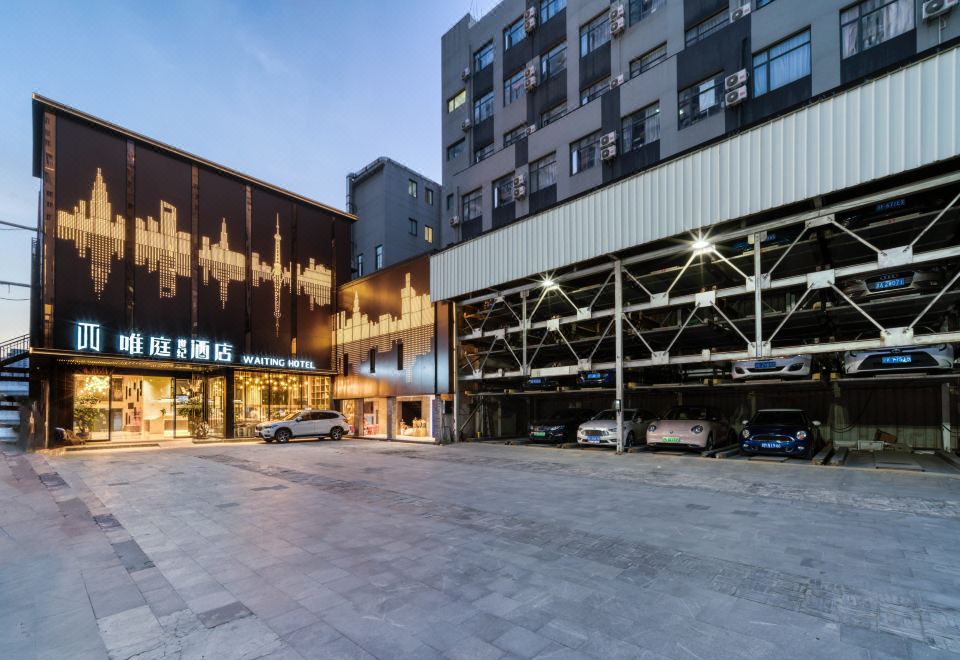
361,549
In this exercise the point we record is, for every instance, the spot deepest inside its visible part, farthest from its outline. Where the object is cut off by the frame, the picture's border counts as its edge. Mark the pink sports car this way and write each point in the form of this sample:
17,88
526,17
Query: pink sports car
690,427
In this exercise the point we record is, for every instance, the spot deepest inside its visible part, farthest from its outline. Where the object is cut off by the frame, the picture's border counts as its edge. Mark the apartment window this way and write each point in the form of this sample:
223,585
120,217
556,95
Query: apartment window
584,153
513,88
428,233
378,258
457,100
483,57
782,63
699,101
641,127
428,196
472,205
641,9
550,8
594,91
514,34
503,191
483,107
412,188
763,3
373,360
543,173
554,62
483,153
552,115
450,202
595,33
648,60
413,227
872,22
360,265
455,150
399,356
703,30
517,134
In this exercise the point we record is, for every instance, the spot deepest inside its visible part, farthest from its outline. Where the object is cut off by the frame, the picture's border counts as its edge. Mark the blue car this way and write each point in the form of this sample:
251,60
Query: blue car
603,378
786,432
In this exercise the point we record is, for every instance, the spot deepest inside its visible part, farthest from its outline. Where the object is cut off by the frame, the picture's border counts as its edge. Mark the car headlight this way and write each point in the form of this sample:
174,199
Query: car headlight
801,435
745,433
651,428
697,429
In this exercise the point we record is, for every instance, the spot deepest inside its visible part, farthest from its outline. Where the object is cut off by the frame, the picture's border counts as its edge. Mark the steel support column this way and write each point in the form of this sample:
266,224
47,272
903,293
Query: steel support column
618,357
456,372
945,408
523,332
757,301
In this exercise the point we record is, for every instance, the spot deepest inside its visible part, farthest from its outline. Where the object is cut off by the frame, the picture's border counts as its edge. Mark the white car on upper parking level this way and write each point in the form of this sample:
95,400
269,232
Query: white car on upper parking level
794,366
304,424
602,429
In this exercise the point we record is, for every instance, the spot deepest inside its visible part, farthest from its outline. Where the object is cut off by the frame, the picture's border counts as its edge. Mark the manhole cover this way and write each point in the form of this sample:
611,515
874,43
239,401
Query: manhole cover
52,480
106,521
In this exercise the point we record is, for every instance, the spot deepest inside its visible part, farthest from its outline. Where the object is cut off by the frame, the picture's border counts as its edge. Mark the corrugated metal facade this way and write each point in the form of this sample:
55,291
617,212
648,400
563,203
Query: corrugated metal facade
893,124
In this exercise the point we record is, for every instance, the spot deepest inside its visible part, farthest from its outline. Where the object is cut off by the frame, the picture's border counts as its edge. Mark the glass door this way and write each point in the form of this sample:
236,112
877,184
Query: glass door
188,406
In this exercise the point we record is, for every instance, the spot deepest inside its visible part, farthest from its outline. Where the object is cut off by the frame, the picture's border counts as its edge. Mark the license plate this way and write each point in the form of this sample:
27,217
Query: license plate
890,284
896,359
593,440
669,439
764,365
770,445
538,434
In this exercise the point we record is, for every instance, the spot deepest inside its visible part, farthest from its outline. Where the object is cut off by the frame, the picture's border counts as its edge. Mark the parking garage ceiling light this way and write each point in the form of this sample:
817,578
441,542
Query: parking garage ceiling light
701,245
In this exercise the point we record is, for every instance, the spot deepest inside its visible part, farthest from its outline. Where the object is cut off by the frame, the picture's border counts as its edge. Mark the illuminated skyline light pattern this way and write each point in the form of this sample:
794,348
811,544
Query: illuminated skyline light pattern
222,263
163,249
99,236
96,233
356,335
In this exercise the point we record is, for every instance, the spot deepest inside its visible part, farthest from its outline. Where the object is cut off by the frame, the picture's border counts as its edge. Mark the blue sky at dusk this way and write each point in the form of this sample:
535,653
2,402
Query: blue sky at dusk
295,93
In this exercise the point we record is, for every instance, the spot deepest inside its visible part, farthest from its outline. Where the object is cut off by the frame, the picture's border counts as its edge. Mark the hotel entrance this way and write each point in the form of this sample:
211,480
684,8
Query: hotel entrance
139,407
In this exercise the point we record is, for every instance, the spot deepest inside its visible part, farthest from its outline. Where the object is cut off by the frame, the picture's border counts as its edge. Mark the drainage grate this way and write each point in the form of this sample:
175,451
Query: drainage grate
106,521
52,480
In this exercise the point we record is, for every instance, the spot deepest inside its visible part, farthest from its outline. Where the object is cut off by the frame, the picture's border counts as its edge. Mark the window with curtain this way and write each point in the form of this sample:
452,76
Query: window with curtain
514,34
870,23
594,91
473,205
704,29
781,64
550,8
552,115
483,57
455,149
584,153
554,62
503,191
641,127
648,60
483,108
456,100
699,101
641,9
543,173
484,152
513,88
595,33
517,134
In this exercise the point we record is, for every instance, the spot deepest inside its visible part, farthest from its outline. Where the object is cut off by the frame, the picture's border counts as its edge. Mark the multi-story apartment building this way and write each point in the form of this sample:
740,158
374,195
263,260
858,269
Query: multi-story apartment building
398,213
547,99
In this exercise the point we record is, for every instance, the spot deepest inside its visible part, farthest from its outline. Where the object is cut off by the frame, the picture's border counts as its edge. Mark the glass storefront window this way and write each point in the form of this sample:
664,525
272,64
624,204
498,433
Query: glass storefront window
217,406
91,407
260,396
413,417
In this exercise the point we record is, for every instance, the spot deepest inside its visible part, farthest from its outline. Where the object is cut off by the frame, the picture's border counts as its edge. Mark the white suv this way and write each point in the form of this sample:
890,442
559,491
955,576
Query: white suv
304,424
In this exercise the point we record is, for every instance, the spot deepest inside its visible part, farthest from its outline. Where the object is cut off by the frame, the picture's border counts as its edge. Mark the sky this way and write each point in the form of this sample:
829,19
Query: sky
294,93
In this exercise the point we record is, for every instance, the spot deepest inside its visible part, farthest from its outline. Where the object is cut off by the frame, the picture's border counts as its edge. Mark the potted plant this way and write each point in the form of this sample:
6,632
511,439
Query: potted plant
85,413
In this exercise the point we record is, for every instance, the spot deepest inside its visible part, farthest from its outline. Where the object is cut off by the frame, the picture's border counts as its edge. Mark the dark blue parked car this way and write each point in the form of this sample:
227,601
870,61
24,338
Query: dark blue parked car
561,426
788,432
603,378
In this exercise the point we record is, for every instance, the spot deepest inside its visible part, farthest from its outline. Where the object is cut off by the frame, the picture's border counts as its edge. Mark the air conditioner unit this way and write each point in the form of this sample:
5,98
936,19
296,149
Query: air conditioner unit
530,20
616,82
519,181
618,26
531,129
608,140
934,8
739,12
616,12
466,124
465,73
530,82
736,96
454,221
530,71
609,153
735,80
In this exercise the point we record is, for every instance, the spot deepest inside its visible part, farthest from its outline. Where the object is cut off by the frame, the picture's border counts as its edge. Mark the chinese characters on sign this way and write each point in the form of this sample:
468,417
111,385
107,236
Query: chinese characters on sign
136,344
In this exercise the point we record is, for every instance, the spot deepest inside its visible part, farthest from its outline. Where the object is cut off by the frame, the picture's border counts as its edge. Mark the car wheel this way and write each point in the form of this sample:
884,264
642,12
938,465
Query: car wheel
336,433
629,441
283,435
710,446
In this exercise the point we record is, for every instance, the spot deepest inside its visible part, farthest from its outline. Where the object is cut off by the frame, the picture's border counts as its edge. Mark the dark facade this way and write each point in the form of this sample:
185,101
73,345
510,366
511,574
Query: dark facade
669,60
393,354
178,297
